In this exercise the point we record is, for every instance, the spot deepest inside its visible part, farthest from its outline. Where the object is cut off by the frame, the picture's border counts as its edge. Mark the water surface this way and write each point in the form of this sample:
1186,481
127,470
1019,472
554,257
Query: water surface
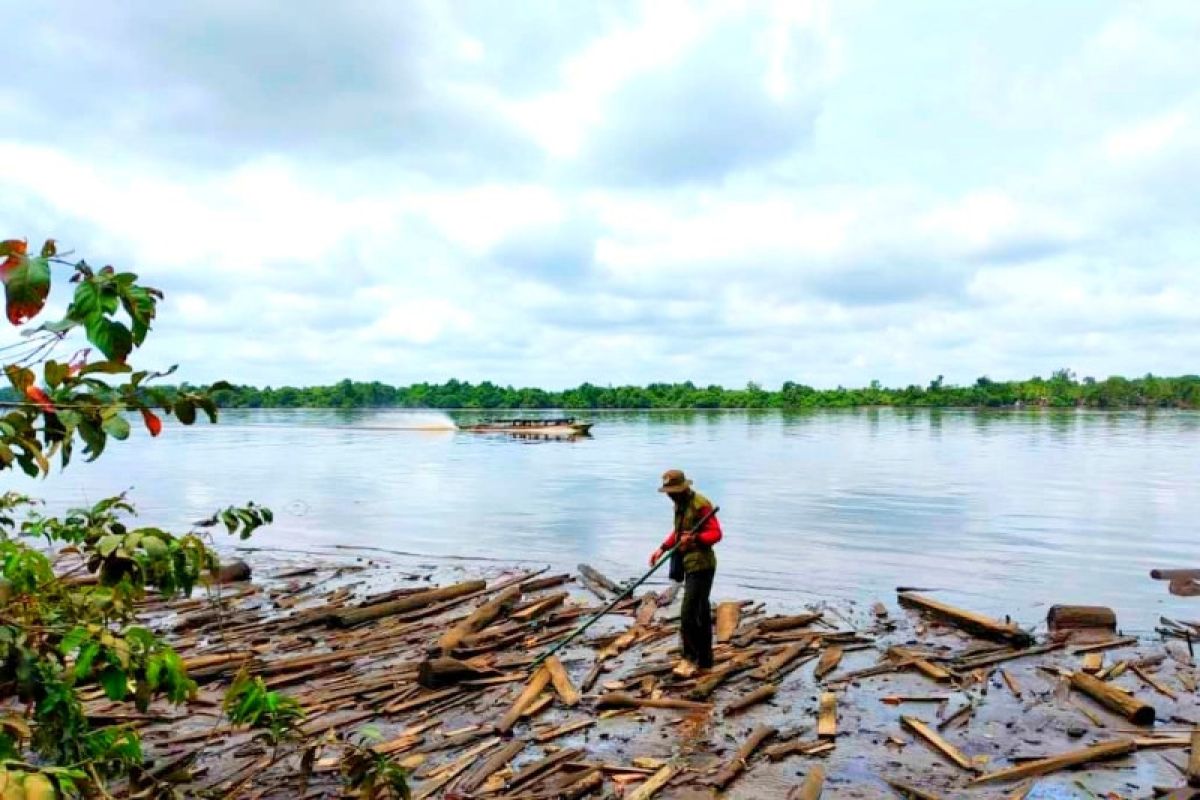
1013,511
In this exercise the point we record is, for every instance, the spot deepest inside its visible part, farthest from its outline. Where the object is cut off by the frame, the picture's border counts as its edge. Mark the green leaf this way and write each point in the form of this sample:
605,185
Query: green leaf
140,305
113,338
26,285
117,427
107,367
185,411
83,664
108,544
55,373
115,682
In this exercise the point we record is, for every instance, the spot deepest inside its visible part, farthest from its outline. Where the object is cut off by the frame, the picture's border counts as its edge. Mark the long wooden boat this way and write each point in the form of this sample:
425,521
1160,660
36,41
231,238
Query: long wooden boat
563,427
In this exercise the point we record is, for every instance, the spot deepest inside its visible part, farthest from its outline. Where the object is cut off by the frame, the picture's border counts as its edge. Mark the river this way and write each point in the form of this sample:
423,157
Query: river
1009,512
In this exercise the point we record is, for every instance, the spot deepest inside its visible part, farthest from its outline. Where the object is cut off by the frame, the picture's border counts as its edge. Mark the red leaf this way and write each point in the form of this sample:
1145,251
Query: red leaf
40,399
26,281
153,423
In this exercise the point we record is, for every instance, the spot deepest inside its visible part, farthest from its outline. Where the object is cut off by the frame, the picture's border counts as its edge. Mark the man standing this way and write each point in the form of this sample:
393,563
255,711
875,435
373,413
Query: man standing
699,566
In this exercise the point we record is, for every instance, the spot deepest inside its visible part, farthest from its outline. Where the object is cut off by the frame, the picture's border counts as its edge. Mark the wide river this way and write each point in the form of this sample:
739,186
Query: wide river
1009,512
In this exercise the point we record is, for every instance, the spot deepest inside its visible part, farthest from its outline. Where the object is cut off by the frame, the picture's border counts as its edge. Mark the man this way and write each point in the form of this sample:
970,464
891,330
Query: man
699,566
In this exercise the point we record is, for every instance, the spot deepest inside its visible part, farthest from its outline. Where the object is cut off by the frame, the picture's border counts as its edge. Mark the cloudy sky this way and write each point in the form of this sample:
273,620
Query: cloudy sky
551,192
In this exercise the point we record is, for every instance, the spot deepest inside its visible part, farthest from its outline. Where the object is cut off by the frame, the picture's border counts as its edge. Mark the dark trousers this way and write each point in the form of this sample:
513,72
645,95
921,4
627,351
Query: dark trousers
695,623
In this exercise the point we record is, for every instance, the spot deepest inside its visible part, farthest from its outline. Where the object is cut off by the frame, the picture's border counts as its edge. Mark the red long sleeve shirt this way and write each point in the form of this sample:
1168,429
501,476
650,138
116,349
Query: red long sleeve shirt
708,535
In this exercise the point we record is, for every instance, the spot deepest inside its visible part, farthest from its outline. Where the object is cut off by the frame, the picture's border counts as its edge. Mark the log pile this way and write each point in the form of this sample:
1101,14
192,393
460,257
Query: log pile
446,675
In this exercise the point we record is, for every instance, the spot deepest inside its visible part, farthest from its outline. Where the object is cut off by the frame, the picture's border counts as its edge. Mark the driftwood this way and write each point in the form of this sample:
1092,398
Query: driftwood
535,608
478,618
537,584
599,584
353,616
814,783
968,620
493,763
562,682
911,792
810,748
759,695
1114,699
830,658
1044,766
776,624
537,683
626,700
436,673
935,741
967,664
827,716
1069,618
738,765
657,781
1193,765
232,572
728,615
1106,645
540,767
778,661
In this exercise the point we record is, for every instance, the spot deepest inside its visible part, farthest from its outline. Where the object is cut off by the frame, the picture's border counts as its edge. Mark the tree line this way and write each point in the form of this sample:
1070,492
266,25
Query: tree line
1061,390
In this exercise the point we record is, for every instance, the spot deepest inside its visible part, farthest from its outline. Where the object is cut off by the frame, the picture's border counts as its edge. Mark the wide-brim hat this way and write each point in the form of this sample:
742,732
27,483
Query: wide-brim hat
674,481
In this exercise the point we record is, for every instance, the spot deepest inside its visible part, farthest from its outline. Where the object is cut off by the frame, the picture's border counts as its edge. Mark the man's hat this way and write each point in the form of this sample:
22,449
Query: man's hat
674,481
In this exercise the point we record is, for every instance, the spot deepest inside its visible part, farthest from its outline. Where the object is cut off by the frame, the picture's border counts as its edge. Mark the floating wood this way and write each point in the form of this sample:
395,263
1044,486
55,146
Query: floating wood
935,741
436,673
1012,684
493,763
1106,645
1071,618
1153,682
1114,699
778,661
353,616
537,584
625,700
536,608
709,683
738,765
759,695
1092,663
728,615
1193,765
537,683
478,618
911,792
1175,574
968,620
814,784
1044,766
562,682
657,781
827,716
540,767
830,658
967,664
595,580
776,624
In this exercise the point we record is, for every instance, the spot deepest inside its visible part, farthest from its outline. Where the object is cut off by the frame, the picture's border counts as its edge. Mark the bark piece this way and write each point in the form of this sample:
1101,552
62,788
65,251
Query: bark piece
935,741
1126,641
1114,699
827,716
436,673
759,695
776,624
968,620
830,658
738,765
728,615
493,763
562,682
1044,766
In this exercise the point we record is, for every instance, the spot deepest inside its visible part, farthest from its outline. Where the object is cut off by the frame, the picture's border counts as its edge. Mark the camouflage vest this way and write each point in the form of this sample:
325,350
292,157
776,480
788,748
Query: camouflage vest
702,557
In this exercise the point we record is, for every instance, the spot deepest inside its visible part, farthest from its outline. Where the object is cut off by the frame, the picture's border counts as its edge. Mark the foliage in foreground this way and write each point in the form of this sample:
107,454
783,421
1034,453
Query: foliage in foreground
64,633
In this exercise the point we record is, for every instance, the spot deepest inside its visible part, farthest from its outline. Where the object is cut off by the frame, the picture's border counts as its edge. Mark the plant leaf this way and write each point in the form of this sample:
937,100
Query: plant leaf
26,285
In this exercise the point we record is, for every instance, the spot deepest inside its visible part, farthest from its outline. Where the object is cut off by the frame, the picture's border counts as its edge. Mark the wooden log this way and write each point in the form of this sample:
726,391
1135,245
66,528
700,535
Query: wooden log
776,624
436,673
535,608
562,682
969,621
537,584
738,765
231,572
657,781
537,684
827,716
1068,618
814,784
626,700
353,616
540,767
709,683
830,658
728,615
598,582
1044,766
479,618
778,661
1193,765
493,763
1175,574
935,741
965,665
759,695
1114,699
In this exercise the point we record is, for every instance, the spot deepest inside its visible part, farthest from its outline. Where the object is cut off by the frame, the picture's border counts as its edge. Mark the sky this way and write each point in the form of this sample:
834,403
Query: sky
546,193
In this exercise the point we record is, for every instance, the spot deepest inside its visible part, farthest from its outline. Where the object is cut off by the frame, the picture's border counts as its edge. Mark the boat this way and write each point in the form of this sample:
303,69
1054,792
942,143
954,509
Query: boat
539,428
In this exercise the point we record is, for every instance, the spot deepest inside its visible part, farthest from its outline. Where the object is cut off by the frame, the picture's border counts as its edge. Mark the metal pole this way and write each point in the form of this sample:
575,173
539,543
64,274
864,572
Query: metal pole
624,593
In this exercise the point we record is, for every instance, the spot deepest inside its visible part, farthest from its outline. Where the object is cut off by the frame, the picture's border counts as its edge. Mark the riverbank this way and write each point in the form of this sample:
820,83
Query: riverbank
988,705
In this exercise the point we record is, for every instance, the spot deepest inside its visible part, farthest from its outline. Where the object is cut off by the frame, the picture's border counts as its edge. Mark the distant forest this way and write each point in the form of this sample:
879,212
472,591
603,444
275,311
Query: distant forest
1060,390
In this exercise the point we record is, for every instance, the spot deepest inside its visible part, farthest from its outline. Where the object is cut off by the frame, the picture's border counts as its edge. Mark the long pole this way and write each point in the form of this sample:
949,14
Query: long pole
624,593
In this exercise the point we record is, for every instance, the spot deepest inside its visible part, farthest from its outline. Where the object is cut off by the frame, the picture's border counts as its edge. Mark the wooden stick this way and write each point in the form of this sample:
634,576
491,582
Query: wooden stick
1106,645
1114,699
656,782
1012,684
562,682
968,620
999,658
911,792
937,742
491,764
748,748
779,660
478,619
830,658
1044,766
827,716
1153,682
537,683
353,616
751,698
776,624
1092,663
814,783
625,700
1193,765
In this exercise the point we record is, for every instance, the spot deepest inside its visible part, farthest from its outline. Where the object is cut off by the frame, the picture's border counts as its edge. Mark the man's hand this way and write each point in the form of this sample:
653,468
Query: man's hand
656,556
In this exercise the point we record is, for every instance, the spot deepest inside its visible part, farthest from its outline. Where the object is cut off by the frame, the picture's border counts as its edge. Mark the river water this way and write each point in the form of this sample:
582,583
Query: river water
1008,512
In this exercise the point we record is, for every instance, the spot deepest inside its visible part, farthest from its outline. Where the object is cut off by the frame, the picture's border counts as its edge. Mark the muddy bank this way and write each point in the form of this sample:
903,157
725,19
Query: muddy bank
908,697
